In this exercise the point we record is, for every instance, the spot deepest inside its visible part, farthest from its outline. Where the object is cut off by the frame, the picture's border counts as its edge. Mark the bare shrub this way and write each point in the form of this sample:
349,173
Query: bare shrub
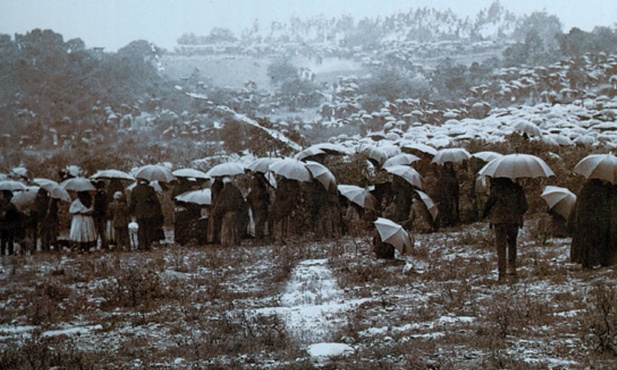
599,321
132,287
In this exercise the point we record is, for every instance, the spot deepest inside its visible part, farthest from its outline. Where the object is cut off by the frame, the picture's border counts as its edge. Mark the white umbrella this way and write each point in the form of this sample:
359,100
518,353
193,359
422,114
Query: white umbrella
392,233
261,164
112,174
409,174
291,169
487,156
528,128
401,159
12,185
359,196
309,152
190,173
322,174
429,203
515,166
598,166
202,197
377,155
453,155
559,199
77,184
226,169
154,172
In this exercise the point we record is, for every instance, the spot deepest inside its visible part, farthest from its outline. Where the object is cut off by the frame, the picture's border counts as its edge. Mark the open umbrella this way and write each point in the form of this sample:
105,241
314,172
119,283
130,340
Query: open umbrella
376,155
292,169
112,174
428,202
528,128
393,233
190,173
453,155
401,159
359,196
12,185
309,152
77,184
59,193
322,174
560,200
154,172
487,156
598,166
202,197
330,148
225,169
423,148
409,174
46,184
24,200
261,164
516,166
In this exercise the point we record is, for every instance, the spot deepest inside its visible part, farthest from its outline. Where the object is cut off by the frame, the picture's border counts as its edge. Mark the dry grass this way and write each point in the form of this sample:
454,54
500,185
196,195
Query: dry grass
195,307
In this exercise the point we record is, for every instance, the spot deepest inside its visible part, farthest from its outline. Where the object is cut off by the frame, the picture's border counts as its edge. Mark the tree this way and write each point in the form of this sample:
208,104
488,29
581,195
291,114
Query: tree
282,70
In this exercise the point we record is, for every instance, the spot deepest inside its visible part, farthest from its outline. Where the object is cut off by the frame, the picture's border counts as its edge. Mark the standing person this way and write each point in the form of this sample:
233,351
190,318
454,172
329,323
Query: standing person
590,224
228,205
50,225
505,208
285,201
9,223
83,232
259,201
215,222
37,214
100,213
447,195
420,218
146,208
118,212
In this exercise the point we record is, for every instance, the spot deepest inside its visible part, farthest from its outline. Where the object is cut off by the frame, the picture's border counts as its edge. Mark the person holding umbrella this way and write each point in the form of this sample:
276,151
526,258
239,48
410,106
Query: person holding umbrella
259,201
505,208
9,223
145,206
83,233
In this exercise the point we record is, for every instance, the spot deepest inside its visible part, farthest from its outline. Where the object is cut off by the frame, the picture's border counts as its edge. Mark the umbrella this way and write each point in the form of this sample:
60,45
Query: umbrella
487,156
515,166
189,172
330,148
261,164
58,192
46,184
428,202
401,159
423,148
393,233
77,184
598,166
376,155
24,200
559,199
202,197
154,172
322,174
358,195
226,169
528,128
408,174
292,169
112,174
453,155
309,152
12,185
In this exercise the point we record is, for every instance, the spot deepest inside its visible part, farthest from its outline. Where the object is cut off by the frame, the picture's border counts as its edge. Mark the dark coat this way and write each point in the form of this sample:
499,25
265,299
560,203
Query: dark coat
447,197
590,224
229,200
100,204
506,203
145,202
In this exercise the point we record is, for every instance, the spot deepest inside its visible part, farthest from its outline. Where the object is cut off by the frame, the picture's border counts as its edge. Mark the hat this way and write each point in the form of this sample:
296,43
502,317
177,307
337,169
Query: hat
117,195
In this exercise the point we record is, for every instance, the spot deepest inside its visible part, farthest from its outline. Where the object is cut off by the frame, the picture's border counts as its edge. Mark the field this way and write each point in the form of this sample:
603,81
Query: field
279,306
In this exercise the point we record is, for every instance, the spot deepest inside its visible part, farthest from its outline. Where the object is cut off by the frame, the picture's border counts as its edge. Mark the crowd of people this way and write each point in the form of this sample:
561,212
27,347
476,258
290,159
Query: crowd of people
272,209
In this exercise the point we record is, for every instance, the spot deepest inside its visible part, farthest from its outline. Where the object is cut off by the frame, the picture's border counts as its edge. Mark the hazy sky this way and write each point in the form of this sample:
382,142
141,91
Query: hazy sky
114,23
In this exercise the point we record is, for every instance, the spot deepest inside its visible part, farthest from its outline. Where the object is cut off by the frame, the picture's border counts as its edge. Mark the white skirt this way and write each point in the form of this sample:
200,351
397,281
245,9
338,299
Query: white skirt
82,229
